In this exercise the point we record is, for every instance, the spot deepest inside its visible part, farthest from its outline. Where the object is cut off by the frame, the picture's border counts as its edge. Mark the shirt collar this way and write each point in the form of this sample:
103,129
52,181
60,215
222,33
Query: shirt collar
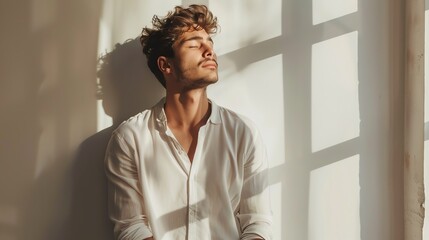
161,118
215,114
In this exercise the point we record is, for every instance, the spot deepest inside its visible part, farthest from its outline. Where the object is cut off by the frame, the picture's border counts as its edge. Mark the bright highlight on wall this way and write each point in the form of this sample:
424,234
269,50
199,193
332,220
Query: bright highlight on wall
325,10
334,201
334,91
244,24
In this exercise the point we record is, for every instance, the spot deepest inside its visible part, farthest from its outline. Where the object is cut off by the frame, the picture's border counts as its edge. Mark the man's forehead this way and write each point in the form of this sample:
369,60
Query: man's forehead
194,34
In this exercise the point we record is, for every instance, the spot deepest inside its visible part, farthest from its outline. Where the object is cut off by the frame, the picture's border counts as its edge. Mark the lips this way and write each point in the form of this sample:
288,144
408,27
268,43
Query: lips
209,64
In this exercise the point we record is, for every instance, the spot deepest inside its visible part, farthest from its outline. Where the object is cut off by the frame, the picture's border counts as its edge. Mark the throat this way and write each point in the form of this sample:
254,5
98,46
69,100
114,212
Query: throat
188,141
185,120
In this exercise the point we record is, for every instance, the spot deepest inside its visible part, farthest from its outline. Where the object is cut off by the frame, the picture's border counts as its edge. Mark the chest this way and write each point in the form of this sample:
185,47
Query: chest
215,155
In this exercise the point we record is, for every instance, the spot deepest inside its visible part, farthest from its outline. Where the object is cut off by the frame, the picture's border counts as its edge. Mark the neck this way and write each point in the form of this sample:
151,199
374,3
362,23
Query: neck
188,109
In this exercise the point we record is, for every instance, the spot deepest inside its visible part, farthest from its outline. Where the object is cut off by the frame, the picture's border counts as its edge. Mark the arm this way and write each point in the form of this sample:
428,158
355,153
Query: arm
255,210
125,199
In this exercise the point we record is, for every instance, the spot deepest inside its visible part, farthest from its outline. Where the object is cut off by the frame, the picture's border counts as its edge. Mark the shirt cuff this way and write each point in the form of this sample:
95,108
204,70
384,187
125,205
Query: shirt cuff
135,232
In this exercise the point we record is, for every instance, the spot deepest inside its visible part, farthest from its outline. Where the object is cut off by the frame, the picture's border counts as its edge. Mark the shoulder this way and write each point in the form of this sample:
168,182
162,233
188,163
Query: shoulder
237,121
244,132
134,126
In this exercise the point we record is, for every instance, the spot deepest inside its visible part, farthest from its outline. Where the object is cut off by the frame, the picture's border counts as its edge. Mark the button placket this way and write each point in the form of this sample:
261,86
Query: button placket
193,191
192,201
178,151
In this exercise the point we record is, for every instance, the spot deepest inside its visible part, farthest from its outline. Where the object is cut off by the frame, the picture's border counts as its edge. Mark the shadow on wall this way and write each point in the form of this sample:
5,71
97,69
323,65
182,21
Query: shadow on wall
126,87
47,58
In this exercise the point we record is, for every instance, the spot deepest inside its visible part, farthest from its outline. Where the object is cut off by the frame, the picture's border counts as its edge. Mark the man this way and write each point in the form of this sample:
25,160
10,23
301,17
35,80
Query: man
187,168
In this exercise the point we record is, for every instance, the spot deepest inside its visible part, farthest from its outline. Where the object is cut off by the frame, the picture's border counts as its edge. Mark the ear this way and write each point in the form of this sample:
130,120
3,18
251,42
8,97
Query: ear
164,65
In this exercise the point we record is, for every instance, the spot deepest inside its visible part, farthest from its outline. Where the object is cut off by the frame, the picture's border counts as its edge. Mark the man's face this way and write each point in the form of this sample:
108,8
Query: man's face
194,64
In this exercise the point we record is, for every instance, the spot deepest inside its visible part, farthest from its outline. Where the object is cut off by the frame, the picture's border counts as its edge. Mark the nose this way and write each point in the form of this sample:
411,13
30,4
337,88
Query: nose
208,51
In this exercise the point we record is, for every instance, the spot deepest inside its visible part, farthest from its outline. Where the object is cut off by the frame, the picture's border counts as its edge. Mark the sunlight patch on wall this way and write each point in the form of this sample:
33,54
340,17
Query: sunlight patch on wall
47,148
103,120
334,201
104,44
334,91
243,24
257,92
325,10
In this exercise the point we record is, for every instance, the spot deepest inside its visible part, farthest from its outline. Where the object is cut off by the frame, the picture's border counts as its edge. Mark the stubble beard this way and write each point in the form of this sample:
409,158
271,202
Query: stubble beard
189,84
199,84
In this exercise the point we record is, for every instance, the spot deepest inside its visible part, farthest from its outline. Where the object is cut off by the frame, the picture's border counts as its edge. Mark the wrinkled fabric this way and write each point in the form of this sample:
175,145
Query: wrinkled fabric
155,190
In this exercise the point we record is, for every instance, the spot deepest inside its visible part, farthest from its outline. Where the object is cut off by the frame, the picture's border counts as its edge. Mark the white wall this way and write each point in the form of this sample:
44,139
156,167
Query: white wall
343,119
322,79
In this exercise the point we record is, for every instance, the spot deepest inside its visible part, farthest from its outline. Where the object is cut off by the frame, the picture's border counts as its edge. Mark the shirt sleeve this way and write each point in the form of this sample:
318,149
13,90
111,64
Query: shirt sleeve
125,199
255,216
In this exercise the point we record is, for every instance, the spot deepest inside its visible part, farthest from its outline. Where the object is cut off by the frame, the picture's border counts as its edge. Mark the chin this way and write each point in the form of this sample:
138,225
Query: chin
211,80
202,83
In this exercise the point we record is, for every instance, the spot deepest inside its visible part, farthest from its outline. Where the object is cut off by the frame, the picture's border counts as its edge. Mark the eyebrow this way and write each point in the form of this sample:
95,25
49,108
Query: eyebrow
195,38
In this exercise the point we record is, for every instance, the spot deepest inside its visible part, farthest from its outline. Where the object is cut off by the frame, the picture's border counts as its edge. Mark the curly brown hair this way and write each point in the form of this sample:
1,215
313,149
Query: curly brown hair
158,41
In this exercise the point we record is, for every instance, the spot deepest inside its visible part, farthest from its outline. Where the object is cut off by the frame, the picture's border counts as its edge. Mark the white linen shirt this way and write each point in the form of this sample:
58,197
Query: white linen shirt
155,190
